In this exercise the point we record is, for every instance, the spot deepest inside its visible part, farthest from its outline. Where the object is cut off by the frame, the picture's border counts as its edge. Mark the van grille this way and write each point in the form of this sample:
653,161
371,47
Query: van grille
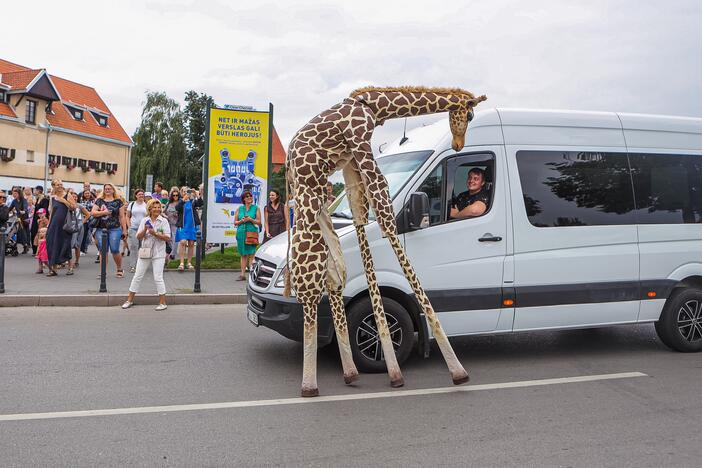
262,272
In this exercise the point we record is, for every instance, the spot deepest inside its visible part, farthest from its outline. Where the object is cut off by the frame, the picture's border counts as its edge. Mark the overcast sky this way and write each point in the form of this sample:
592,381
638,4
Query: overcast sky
306,55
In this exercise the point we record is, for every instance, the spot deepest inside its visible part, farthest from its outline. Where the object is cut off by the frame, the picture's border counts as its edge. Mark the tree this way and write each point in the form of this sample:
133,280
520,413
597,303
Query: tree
159,142
195,117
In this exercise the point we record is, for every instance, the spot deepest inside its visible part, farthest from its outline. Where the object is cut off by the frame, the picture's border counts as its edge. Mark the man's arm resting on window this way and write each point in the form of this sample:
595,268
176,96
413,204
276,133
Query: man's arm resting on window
476,208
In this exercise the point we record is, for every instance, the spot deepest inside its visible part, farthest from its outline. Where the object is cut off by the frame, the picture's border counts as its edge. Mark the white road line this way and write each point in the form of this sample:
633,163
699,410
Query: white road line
321,399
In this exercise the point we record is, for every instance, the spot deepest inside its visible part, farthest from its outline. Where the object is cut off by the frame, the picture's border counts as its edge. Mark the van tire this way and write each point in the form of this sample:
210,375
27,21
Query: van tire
361,314
680,324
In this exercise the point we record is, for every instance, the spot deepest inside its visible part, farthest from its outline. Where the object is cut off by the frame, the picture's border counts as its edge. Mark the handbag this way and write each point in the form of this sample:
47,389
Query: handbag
70,225
145,252
251,238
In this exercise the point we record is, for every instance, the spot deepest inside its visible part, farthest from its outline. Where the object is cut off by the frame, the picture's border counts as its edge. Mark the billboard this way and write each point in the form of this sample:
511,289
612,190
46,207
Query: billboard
237,159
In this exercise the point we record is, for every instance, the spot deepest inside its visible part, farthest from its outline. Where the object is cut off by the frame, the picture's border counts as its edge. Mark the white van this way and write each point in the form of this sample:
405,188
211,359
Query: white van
593,219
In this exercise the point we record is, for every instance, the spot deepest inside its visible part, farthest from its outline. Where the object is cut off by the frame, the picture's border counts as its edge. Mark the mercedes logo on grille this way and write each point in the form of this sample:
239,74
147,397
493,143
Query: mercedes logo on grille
254,270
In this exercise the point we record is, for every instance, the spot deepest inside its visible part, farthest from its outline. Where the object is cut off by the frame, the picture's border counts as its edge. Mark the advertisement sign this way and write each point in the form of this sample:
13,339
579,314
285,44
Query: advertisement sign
237,160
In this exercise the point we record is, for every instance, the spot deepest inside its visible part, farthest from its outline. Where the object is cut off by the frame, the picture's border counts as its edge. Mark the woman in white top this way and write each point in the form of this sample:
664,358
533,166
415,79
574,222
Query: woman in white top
136,211
153,232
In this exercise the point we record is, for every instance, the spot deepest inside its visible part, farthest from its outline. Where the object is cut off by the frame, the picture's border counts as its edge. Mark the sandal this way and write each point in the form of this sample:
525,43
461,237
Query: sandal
181,267
52,273
70,271
241,278
120,273
190,266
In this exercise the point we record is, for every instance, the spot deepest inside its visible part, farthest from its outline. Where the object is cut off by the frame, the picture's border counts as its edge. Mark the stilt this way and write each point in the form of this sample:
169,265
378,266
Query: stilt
309,360
342,337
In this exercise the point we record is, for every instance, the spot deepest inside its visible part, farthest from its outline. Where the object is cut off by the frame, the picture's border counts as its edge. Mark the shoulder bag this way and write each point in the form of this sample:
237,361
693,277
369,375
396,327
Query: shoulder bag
71,224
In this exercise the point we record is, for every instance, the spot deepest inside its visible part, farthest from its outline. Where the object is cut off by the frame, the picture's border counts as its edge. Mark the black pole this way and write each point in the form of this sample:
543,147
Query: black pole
2,260
103,261
221,249
198,249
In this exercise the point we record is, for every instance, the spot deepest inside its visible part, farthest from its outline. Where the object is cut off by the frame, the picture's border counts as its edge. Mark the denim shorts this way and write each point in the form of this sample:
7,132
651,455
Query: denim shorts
114,237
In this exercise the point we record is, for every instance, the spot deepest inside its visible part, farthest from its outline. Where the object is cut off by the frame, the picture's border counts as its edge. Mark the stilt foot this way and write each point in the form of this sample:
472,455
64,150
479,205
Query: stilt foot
461,379
397,382
309,392
350,378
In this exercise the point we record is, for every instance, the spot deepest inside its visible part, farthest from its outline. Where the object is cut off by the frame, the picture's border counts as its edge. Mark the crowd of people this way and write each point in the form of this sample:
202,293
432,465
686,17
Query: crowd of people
58,227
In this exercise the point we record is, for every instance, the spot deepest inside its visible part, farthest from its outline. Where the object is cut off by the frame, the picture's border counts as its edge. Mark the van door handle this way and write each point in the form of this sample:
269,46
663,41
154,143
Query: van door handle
489,238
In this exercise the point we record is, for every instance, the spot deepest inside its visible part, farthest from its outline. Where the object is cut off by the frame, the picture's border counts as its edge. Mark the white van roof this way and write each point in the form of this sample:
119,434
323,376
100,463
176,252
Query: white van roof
608,129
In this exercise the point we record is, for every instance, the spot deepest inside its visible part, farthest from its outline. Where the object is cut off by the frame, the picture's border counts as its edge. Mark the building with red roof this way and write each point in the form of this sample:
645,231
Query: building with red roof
51,127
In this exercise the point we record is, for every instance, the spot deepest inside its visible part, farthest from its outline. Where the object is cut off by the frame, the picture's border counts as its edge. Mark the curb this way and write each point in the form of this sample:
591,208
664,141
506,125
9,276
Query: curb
113,300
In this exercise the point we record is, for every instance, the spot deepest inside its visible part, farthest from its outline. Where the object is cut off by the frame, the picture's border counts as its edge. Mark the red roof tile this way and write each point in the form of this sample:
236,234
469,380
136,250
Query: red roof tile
9,67
19,79
278,153
6,110
70,93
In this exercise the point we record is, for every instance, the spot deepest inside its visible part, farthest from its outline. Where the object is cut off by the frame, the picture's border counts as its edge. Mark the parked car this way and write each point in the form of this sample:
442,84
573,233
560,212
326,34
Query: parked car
593,220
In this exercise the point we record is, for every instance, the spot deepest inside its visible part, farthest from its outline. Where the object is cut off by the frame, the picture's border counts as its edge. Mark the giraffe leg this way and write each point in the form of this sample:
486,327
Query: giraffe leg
358,201
309,362
379,194
381,322
342,337
336,280
458,373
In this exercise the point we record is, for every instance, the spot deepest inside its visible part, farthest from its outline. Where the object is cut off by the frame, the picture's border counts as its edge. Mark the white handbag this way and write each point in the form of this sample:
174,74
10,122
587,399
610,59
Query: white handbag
145,252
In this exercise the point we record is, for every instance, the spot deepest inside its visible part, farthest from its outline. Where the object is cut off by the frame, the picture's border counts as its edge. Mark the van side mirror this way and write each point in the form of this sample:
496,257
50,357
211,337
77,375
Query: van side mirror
418,211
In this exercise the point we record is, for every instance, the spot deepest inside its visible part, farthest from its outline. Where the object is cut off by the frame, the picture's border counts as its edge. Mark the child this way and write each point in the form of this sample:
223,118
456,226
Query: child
42,254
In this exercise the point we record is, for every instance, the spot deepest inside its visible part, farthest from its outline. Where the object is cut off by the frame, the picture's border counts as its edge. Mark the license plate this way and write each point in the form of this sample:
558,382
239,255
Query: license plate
252,316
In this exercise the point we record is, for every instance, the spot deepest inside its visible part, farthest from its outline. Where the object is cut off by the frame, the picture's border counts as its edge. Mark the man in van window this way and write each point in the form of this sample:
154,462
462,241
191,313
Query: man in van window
474,201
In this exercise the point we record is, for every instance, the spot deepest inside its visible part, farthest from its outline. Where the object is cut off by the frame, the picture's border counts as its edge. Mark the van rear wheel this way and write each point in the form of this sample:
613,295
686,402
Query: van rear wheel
363,334
680,325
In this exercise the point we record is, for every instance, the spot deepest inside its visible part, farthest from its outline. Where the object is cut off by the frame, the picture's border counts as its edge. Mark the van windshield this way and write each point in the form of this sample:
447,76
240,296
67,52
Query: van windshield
397,169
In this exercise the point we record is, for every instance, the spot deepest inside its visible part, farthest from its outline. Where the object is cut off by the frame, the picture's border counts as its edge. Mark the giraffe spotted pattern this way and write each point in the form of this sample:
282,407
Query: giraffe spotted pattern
339,138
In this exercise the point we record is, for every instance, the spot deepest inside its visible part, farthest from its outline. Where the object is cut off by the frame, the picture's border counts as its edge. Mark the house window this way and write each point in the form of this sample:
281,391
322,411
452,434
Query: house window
100,119
2,95
30,156
75,112
31,112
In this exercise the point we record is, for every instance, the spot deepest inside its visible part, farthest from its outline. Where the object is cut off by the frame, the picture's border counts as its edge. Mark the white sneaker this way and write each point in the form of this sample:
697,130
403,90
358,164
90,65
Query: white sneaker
161,307
127,304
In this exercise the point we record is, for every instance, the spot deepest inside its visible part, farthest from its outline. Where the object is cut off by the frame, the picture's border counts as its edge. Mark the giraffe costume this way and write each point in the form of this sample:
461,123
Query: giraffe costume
339,138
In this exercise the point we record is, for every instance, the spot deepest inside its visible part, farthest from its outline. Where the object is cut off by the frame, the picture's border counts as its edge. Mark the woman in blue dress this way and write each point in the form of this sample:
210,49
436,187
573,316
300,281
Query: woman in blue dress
58,241
248,219
188,224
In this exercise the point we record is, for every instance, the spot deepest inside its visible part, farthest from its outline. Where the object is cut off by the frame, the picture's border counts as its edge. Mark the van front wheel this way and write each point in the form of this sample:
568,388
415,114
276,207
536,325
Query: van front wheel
363,334
680,325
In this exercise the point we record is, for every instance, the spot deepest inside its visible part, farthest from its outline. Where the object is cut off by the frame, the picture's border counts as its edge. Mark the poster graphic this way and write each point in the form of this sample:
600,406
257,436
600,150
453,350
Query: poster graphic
238,161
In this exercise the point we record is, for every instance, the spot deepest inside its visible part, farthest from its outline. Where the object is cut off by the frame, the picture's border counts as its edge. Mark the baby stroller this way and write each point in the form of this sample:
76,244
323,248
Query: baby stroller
11,228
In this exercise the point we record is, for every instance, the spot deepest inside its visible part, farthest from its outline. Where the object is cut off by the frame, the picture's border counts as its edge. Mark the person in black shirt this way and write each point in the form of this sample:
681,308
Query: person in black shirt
474,201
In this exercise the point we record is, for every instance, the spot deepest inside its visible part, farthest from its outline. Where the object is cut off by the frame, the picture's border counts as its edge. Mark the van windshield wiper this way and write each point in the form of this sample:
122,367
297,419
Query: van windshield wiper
341,215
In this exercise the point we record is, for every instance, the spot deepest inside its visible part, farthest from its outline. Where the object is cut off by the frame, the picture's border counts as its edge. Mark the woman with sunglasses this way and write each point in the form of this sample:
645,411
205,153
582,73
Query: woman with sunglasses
172,216
188,224
248,219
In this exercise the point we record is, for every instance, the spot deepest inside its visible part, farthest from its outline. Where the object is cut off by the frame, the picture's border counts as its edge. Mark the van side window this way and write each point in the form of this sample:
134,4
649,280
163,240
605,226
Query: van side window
470,186
572,188
432,186
668,188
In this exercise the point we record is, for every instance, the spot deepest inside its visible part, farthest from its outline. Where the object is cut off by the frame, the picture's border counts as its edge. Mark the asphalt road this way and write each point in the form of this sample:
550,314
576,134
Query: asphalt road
70,359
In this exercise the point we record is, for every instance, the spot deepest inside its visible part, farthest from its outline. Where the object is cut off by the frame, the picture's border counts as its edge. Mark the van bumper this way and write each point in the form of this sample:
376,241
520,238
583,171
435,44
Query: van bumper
284,315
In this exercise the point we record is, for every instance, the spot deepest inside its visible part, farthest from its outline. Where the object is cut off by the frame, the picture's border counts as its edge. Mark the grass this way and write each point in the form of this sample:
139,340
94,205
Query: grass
216,260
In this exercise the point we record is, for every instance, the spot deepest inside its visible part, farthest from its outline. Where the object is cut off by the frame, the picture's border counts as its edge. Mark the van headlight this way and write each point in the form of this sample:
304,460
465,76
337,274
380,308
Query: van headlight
280,282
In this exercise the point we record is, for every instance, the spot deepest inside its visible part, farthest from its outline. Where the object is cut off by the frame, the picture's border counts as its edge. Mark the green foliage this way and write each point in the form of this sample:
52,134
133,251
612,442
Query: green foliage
159,142
215,260
170,141
277,181
195,134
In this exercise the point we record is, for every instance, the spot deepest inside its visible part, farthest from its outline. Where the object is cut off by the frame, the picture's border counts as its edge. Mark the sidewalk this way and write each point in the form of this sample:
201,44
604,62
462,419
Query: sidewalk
23,287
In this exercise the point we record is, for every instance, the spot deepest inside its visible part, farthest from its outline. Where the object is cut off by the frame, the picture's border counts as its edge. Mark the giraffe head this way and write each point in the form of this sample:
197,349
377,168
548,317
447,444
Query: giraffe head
459,118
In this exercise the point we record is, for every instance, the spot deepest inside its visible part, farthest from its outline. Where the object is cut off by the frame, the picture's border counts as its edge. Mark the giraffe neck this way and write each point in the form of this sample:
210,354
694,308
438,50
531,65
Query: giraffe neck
394,104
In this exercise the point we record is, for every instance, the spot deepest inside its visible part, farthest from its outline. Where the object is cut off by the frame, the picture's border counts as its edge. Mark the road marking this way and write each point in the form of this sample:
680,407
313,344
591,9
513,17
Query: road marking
321,399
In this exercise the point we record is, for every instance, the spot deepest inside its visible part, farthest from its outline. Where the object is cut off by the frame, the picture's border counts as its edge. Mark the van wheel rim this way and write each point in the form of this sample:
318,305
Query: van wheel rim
368,340
690,320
